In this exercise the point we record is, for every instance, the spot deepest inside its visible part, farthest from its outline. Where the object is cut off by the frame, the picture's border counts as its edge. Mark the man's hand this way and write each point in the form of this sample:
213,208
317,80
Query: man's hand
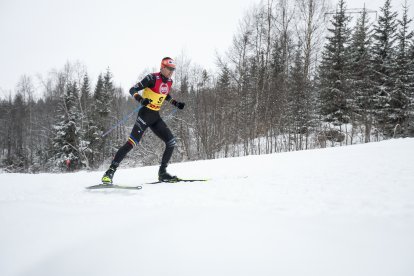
180,105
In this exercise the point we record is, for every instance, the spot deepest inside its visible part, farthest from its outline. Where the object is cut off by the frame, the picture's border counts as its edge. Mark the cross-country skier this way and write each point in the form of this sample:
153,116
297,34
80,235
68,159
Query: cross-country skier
156,88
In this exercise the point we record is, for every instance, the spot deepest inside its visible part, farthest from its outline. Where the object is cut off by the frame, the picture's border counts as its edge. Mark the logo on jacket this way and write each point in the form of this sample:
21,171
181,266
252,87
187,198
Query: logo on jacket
164,88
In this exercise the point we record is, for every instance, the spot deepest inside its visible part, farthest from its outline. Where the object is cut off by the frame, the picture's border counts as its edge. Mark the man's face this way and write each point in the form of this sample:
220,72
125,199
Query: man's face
167,71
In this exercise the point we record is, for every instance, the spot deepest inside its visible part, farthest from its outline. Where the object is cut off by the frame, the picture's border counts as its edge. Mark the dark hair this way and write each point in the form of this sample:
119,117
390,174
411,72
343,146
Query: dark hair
166,58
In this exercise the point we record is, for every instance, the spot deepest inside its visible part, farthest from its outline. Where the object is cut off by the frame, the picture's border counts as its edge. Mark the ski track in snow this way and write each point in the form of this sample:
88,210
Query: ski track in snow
337,211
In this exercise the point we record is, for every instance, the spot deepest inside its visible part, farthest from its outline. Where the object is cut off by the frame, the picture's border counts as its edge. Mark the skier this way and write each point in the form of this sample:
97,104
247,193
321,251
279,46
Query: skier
156,88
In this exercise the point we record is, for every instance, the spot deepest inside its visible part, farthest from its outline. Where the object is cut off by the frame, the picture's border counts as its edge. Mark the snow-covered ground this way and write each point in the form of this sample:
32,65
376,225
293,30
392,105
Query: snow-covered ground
338,211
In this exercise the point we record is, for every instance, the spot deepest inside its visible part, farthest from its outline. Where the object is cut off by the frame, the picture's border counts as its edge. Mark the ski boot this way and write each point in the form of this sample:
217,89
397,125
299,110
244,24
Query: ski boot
107,177
163,176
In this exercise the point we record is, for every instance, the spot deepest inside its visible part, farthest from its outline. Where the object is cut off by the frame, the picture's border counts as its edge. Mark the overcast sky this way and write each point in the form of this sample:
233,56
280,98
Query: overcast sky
127,36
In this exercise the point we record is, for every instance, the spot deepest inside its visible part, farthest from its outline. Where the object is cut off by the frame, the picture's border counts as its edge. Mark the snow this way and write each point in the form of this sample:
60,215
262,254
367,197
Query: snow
337,211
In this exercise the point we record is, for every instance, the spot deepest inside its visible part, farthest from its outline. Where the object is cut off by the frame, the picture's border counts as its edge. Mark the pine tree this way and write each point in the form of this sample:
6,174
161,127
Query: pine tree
400,100
334,71
410,126
296,99
108,87
110,118
97,125
277,97
300,101
87,123
16,157
101,104
384,57
85,95
66,151
226,97
362,74
224,78
102,107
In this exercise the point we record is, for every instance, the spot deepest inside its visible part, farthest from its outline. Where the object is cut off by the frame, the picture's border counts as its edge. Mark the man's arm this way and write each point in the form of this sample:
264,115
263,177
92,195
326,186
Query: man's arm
175,103
148,81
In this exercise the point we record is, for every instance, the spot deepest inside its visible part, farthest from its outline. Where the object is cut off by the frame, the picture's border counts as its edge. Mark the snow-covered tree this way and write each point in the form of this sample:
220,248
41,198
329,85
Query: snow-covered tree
85,95
362,74
410,126
66,153
16,157
102,106
97,126
384,57
404,85
299,99
334,70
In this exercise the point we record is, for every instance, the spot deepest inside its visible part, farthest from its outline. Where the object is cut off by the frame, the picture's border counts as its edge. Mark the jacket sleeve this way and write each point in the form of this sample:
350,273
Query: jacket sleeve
171,100
148,81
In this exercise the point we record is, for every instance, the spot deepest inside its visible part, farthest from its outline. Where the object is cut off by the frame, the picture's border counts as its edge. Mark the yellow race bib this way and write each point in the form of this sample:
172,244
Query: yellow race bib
157,99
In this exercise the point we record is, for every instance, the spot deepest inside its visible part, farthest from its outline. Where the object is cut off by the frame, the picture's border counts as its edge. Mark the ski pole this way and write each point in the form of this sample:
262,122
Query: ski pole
122,121
171,114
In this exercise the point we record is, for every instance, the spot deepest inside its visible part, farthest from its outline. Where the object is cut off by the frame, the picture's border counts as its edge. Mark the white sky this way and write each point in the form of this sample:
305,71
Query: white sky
127,36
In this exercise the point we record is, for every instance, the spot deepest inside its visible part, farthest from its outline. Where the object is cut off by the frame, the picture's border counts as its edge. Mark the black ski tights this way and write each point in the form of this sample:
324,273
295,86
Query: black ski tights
121,153
147,118
127,147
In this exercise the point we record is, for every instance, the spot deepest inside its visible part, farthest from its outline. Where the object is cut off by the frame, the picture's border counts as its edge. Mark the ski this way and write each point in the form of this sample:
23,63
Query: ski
178,180
113,186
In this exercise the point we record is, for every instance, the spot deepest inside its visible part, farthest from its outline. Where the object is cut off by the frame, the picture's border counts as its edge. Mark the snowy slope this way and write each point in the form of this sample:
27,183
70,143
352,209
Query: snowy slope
338,211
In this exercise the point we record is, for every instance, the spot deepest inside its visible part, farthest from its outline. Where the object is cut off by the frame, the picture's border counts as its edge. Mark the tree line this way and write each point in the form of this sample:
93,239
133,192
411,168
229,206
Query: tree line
295,77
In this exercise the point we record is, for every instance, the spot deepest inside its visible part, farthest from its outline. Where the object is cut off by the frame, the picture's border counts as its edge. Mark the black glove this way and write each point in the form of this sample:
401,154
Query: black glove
180,105
145,101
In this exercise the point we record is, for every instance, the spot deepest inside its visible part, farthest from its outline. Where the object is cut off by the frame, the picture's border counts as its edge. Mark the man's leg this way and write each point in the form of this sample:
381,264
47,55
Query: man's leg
136,135
164,133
